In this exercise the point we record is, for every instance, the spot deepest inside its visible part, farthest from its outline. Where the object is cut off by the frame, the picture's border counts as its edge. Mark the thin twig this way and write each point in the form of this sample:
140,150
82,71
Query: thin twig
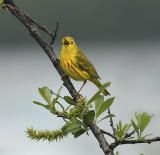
44,29
35,22
54,36
129,134
60,115
111,123
109,134
115,144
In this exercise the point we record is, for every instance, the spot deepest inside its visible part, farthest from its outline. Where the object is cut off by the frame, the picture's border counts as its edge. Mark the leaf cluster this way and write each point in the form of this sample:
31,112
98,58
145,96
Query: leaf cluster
142,122
76,115
122,130
78,127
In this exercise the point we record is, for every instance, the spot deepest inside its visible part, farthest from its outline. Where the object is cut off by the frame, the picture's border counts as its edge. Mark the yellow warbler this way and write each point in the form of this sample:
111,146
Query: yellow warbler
76,65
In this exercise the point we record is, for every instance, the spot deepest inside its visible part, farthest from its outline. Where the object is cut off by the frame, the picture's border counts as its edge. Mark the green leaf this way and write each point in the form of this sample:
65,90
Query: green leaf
138,117
111,115
120,125
69,100
41,104
98,103
103,87
71,127
127,128
105,106
79,133
75,120
57,97
89,117
135,127
117,127
121,131
145,119
46,94
118,133
76,130
124,127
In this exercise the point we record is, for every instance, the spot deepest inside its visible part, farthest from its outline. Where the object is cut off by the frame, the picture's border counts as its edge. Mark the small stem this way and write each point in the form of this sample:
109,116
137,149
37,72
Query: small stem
111,123
61,105
68,107
54,36
109,134
129,134
115,144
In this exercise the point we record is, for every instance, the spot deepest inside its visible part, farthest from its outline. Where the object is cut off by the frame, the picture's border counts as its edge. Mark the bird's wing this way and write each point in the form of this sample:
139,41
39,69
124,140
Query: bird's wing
86,65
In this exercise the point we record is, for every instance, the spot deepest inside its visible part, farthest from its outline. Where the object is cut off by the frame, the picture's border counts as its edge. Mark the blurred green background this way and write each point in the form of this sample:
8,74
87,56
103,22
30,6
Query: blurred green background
121,39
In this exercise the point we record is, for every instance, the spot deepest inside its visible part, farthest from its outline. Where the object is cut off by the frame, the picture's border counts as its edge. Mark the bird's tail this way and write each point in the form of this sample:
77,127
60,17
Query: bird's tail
99,84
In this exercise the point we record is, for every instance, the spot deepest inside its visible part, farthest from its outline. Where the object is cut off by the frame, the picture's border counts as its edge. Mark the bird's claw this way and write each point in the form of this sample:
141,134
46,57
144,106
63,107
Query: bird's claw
75,95
63,76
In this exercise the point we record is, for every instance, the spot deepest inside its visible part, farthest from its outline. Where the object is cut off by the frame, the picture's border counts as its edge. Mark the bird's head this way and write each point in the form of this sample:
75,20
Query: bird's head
68,42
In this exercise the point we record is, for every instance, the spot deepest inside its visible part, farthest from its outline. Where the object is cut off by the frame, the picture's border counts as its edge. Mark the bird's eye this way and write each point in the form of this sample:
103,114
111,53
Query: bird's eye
62,43
71,42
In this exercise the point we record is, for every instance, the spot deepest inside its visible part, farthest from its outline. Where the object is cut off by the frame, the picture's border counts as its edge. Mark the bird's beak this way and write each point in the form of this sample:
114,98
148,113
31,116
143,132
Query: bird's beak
66,43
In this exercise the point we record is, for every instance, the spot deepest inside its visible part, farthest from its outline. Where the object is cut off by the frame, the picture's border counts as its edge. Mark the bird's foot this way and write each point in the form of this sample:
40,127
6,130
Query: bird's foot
63,76
75,95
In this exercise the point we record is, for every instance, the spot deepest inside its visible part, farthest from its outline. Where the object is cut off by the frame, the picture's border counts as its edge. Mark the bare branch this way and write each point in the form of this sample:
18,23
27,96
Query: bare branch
111,123
42,27
109,134
45,30
100,137
55,35
129,134
115,144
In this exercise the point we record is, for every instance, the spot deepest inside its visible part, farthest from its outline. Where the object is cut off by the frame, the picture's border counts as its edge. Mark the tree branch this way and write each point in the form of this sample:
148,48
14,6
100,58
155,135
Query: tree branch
109,134
111,122
45,30
101,139
67,83
129,134
115,144
35,34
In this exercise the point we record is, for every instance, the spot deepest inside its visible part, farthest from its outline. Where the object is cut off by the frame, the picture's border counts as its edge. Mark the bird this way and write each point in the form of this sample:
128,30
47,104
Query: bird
76,65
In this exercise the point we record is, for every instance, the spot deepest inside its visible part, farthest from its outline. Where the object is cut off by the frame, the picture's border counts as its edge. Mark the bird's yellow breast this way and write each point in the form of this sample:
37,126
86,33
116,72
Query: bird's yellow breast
71,68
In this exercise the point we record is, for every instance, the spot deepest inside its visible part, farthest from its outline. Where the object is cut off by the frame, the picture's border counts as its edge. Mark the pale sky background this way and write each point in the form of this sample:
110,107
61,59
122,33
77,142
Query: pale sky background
121,39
